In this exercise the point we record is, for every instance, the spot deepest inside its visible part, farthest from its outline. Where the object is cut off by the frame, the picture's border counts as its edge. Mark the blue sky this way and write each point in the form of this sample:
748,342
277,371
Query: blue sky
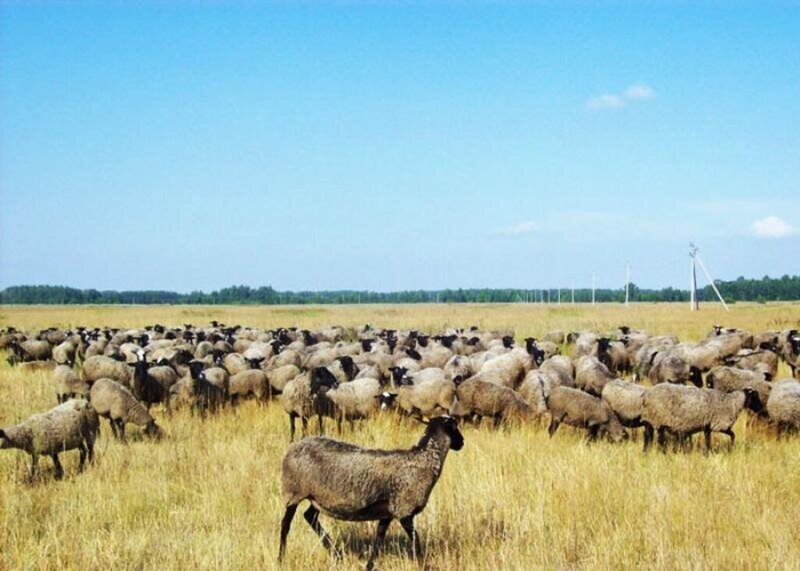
396,146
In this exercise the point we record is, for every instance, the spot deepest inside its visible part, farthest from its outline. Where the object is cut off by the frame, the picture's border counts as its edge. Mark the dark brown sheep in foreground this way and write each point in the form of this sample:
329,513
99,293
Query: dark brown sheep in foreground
350,483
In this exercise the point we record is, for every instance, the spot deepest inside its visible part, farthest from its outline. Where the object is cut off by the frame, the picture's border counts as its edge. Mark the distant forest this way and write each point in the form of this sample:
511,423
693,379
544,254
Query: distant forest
786,288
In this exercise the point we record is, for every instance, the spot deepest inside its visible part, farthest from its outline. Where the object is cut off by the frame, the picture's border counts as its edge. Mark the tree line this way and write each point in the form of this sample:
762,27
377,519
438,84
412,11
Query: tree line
786,288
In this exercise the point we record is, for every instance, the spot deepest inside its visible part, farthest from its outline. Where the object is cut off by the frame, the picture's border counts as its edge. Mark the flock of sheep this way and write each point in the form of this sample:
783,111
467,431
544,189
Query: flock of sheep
350,375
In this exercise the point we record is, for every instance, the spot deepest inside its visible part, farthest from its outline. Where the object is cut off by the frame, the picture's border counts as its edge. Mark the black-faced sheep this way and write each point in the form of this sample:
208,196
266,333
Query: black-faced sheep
582,410
783,406
350,483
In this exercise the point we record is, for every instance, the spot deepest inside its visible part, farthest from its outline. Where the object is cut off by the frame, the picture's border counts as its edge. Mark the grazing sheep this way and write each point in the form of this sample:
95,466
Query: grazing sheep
791,350
350,483
764,359
479,398
31,350
115,402
506,370
730,379
783,405
458,366
671,366
684,410
591,375
67,384
70,425
626,399
559,370
102,367
64,353
582,410
533,390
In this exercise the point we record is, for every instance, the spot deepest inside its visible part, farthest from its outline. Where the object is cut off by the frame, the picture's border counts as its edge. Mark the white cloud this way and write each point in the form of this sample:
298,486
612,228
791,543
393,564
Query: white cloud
774,227
636,92
517,229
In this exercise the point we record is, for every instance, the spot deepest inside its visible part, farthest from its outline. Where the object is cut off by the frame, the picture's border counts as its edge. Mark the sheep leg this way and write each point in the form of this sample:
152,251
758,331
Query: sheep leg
121,428
59,468
292,416
662,439
82,450
380,534
113,428
730,433
707,434
415,549
304,422
312,517
286,523
648,437
554,423
320,425
592,432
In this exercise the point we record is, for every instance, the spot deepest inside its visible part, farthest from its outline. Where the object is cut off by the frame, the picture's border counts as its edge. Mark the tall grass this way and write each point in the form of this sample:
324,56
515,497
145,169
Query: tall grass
208,495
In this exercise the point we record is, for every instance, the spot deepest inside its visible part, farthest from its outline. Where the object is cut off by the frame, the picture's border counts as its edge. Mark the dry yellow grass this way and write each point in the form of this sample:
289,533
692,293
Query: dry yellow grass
207,496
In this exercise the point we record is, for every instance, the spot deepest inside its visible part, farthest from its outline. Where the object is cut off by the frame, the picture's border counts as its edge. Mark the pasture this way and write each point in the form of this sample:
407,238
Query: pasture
207,496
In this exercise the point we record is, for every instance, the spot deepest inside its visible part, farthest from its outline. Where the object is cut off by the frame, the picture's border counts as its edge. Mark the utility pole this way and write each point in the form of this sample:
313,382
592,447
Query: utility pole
559,296
694,304
627,283
593,287
573,294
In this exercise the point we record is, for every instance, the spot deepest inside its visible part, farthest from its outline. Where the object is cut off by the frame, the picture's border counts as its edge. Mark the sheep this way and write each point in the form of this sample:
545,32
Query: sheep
102,367
427,399
671,366
790,349
349,401
207,395
72,424
559,370
151,384
506,370
479,398
299,394
115,402
729,379
64,353
783,406
344,369
582,410
533,390
684,410
458,366
278,378
350,483
591,375
67,384
31,350
251,382
626,399
764,359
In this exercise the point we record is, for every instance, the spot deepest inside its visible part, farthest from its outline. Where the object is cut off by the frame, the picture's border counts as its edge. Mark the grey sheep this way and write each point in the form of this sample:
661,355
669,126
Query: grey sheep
102,367
591,375
252,382
683,410
299,394
783,406
729,379
70,425
67,384
559,370
351,401
350,483
115,402
31,350
626,399
278,378
582,410
64,353
672,366
477,398
425,399
763,360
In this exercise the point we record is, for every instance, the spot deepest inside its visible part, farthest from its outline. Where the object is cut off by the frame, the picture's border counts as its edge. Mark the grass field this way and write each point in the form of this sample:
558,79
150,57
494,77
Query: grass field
207,496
